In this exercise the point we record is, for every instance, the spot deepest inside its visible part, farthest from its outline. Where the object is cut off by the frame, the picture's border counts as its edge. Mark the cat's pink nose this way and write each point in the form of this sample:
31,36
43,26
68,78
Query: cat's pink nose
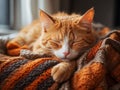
66,53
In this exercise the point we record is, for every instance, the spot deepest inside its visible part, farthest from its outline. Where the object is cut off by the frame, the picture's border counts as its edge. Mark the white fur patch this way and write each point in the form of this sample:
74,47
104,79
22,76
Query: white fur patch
65,48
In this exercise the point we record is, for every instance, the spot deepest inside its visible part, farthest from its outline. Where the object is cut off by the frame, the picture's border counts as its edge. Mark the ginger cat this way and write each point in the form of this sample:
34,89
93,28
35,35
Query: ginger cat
62,35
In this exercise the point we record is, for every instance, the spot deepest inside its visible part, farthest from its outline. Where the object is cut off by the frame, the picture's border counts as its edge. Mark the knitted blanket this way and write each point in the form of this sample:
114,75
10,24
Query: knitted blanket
98,68
18,73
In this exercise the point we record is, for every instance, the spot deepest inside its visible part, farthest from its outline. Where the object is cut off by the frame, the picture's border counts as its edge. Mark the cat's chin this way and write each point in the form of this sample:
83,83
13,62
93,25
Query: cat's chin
67,58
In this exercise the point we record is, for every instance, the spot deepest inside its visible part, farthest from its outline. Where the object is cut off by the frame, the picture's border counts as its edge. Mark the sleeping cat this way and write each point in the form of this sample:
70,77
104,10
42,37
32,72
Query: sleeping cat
61,35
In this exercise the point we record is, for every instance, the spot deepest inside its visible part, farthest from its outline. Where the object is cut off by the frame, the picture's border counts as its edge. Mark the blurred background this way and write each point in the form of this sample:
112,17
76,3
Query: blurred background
15,14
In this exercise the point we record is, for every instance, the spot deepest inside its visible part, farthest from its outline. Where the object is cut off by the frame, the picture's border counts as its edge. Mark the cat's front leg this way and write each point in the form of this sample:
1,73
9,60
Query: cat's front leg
62,71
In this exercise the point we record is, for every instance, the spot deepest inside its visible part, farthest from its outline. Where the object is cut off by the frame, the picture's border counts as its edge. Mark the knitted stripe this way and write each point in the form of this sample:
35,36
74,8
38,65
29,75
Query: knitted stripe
3,58
11,68
7,63
88,77
39,80
34,74
115,44
116,74
45,84
30,55
93,51
20,73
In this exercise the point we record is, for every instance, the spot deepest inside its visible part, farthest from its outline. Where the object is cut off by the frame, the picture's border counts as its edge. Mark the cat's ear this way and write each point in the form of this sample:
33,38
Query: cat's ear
87,18
45,19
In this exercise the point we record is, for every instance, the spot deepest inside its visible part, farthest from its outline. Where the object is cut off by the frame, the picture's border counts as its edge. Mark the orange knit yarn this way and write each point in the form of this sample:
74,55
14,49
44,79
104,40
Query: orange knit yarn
21,73
88,77
38,80
14,48
93,51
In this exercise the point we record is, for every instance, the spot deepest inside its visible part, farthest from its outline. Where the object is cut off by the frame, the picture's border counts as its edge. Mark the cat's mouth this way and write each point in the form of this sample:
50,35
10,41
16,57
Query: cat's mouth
68,58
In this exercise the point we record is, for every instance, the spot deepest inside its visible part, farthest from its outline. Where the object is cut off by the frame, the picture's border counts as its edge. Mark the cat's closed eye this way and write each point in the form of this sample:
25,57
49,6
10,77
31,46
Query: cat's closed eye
76,43
55,44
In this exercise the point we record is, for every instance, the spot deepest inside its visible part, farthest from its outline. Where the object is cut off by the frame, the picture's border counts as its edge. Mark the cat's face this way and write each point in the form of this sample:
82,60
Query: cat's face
69,36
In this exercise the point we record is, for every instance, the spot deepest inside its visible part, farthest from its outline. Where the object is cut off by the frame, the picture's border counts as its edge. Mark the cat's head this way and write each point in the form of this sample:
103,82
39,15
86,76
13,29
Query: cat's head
67,36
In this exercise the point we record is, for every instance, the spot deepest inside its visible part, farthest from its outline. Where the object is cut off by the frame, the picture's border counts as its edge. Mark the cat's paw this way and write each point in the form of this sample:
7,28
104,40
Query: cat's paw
60,72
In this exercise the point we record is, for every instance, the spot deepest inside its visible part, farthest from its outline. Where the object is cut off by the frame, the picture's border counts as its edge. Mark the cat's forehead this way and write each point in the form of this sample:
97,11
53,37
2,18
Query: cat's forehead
63,34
